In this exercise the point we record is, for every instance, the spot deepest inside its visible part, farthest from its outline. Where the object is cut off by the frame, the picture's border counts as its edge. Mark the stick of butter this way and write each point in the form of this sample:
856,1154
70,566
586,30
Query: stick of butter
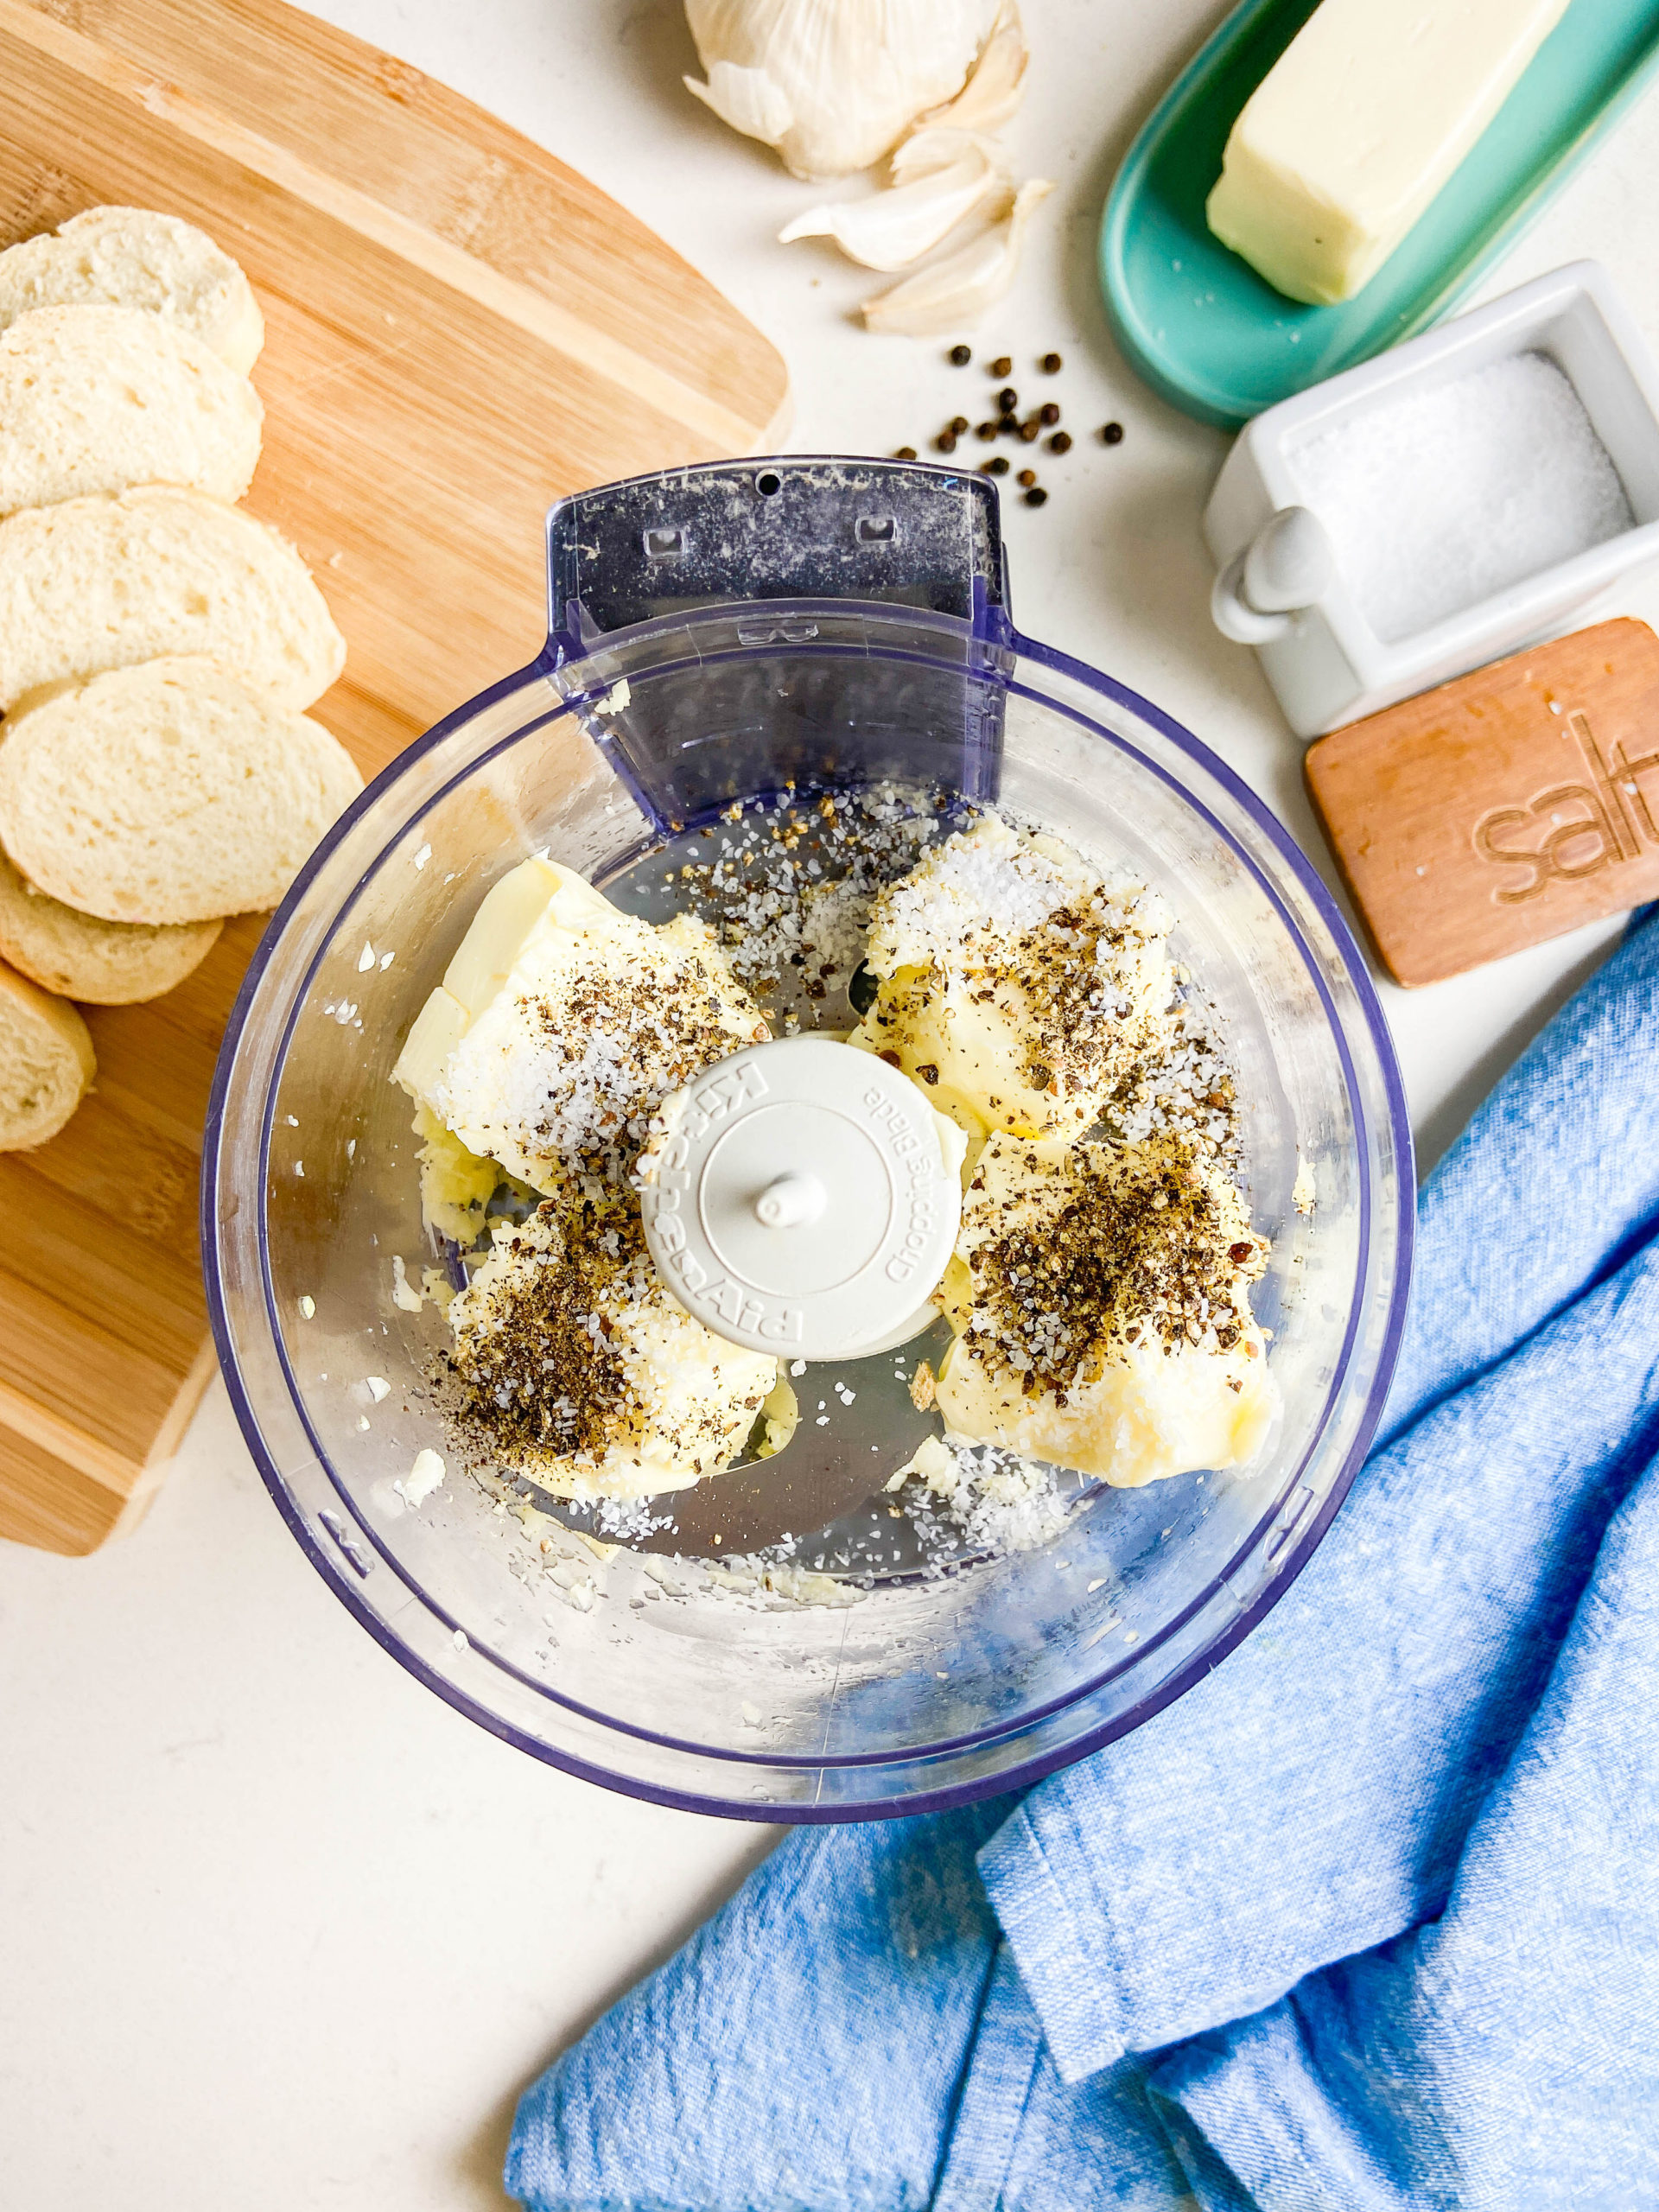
1357,125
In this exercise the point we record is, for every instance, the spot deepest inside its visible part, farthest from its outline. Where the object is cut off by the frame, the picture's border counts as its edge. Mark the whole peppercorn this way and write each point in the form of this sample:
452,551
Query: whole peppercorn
985,431
1051,364
905,453
1112,433
998,465
1060,442
1030,431
1002,366
960,356
1027,477
1049,412
1036,496
946,442
1009,425
959,424
1007,399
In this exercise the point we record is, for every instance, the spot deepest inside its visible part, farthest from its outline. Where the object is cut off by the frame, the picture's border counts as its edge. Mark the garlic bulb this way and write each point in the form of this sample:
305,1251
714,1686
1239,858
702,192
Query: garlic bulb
949,295
940,178
834,85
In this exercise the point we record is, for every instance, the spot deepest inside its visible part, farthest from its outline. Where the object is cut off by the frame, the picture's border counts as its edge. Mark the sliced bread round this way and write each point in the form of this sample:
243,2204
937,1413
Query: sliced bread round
129,258
46,1063
98,399
114,579
78,955
166,793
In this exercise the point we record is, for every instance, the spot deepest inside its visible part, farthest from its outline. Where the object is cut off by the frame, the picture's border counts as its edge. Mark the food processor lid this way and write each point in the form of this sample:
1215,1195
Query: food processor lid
803,1198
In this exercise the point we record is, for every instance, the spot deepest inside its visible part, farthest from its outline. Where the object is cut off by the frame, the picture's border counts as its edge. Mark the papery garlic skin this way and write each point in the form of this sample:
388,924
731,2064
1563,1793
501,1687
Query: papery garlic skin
746,98
834,85
947,176
997,84
950,293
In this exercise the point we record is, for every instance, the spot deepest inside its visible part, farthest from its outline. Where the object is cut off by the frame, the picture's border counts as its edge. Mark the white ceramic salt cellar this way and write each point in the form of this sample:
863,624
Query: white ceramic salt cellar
1281,585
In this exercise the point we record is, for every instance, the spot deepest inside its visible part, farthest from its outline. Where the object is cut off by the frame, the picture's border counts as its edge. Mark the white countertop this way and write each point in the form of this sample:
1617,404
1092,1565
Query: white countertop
282,1931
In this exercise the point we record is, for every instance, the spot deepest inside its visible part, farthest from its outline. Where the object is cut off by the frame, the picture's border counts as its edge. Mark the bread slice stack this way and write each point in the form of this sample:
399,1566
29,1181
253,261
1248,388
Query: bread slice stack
158,645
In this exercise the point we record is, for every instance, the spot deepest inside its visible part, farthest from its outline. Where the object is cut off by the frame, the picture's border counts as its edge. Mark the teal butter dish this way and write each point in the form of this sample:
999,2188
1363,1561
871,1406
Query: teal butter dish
1214,338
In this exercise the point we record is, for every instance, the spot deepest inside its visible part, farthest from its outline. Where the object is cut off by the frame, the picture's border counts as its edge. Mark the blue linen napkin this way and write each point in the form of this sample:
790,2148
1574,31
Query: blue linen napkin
1368,1919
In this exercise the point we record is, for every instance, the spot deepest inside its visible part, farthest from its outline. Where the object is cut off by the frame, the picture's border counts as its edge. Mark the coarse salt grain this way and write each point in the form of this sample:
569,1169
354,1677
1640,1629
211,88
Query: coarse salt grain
967,888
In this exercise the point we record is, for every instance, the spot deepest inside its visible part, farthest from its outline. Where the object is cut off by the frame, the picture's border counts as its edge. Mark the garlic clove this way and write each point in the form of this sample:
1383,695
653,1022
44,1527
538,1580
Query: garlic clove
893,228
852,75
996,84
934,147
747,99
949,294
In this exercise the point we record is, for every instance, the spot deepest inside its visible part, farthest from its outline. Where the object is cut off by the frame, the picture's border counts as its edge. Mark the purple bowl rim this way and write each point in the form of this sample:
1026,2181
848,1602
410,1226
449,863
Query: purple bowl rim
1020,1777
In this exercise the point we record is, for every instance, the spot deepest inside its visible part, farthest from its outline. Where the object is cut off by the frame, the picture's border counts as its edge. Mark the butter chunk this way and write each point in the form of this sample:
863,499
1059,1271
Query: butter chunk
1100,1299
1357,125
580,1369
456,1186
1014,981
561,1024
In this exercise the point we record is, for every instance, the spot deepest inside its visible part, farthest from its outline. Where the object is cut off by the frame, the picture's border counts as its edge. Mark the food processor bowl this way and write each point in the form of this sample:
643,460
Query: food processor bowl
719,635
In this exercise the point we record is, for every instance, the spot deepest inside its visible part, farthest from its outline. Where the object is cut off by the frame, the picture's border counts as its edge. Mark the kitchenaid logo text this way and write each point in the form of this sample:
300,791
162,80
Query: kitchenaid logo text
920,1167
1607,819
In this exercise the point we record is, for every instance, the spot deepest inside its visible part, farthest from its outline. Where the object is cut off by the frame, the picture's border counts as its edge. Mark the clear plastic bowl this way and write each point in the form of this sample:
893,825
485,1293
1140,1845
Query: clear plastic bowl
930,1688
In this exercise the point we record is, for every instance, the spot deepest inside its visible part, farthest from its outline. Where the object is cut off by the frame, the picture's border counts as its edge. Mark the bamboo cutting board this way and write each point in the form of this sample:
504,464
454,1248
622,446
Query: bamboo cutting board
458,330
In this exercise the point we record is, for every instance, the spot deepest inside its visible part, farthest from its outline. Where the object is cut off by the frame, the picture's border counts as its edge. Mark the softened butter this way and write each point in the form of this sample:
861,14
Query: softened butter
1355,127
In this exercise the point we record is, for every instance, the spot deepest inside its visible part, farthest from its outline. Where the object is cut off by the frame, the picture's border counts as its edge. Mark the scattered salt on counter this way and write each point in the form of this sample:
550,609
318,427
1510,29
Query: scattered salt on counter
1436,500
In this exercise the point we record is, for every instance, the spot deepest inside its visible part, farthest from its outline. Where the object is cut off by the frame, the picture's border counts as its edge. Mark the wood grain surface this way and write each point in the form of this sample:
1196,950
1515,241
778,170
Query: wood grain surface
1502,808
459,330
